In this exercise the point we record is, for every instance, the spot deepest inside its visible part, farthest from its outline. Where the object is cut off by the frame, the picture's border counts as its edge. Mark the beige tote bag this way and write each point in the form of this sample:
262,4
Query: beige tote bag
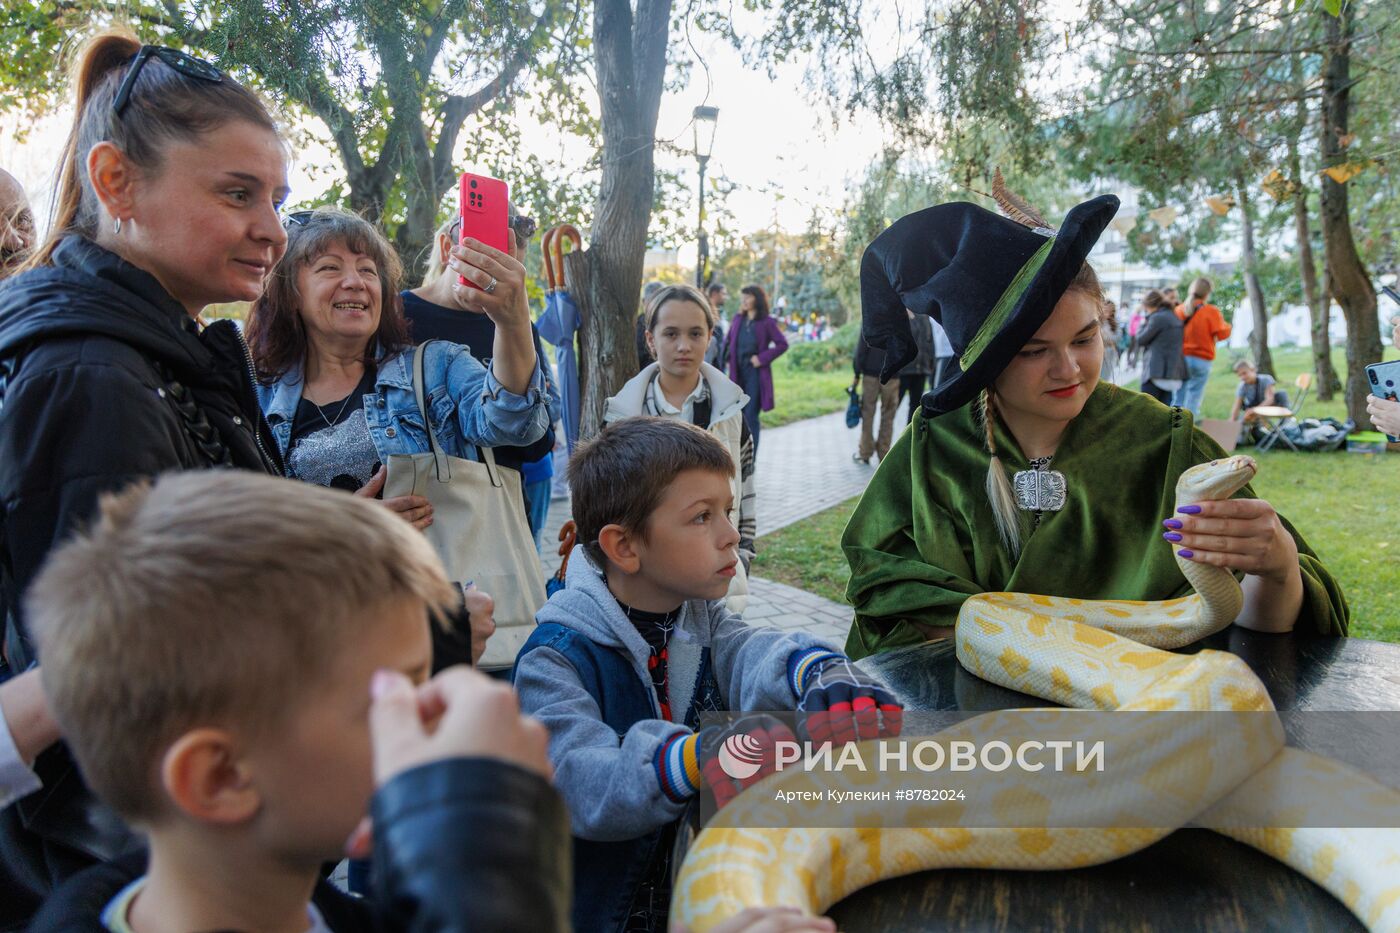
479,530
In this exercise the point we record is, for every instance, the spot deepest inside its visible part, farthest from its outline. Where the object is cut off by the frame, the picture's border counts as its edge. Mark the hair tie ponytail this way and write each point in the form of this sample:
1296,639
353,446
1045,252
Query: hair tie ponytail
99,57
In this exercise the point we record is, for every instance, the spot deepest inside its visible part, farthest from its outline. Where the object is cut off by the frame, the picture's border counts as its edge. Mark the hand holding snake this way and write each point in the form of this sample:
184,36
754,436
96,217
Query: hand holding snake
1237,534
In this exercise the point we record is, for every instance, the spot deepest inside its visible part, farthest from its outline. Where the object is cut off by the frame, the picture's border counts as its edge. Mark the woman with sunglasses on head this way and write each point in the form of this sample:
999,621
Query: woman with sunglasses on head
440,309
167,200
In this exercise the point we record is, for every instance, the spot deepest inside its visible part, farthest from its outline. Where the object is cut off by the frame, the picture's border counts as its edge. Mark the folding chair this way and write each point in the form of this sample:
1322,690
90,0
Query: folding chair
1273,417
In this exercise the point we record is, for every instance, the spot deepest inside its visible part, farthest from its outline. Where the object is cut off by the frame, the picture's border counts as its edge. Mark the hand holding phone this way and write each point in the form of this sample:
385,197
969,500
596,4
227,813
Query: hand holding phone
1384,379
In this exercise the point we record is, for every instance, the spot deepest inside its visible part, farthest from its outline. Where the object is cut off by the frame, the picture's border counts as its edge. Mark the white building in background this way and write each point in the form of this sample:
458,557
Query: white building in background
1293,325
1125,283
657,256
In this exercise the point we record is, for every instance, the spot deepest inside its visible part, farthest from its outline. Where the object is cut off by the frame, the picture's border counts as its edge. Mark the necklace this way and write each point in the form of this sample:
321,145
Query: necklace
1039,489
322,412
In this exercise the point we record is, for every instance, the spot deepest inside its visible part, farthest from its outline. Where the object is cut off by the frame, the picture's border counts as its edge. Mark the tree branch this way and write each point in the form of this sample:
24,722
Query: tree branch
455,110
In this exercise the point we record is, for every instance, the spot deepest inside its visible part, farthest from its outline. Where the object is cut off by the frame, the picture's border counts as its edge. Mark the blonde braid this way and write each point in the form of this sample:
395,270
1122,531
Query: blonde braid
999,492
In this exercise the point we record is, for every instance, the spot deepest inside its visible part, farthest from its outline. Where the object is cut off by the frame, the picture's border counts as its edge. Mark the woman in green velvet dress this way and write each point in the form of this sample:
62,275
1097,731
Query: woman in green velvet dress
1025,473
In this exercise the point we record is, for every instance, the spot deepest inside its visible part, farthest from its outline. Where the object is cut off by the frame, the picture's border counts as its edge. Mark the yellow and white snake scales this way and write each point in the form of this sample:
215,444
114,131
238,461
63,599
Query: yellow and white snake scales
1086,654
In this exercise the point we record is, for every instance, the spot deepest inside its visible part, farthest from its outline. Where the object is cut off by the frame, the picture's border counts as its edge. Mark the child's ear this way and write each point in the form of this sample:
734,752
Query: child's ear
205,775
620,547
651,344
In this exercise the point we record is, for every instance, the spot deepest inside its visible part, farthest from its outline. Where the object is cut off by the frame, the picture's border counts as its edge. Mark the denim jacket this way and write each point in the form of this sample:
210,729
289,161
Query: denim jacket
466,405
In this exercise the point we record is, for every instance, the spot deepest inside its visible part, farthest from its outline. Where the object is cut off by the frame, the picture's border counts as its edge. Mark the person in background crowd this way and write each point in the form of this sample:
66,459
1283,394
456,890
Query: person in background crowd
16,225
644,356
1159,342
867,363
166,202
915,375
1171,296
1204,326
439,310
1255,389
1108,329
718,353
755,341
1133,351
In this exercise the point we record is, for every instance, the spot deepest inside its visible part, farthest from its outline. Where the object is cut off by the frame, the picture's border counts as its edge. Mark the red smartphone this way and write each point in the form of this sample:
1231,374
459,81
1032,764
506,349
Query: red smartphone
483,203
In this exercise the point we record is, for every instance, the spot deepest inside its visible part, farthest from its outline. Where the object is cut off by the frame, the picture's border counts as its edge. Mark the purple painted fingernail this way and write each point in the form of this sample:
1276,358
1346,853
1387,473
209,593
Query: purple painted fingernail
1184,553
1190,510
1172,536
1173,524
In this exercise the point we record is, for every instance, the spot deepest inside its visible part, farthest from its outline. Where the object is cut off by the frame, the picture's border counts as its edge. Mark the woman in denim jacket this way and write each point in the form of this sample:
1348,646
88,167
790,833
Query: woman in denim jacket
334,361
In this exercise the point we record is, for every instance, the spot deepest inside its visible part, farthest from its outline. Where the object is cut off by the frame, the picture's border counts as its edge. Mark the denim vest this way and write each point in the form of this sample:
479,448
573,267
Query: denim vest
606,874
467,406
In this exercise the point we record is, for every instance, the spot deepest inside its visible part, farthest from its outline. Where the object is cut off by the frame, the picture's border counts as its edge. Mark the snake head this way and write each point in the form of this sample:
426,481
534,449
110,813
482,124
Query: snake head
1218,479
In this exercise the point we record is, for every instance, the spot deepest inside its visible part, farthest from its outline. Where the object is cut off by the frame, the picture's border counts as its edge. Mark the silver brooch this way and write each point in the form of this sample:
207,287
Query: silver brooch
1039,490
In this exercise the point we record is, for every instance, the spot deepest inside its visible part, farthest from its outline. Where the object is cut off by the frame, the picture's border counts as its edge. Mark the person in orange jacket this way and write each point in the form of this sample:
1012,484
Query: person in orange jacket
1204,326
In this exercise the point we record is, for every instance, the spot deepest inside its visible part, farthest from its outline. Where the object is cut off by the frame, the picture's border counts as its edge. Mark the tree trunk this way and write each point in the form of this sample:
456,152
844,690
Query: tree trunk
1319,303
1349,282
1259,337
606,278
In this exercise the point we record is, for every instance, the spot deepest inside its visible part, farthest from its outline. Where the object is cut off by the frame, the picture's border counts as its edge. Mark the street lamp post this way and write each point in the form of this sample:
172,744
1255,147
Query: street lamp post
703,121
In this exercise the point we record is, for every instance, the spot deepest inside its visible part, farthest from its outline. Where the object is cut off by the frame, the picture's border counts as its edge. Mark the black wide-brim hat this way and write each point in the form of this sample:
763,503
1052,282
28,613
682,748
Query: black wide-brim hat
988,280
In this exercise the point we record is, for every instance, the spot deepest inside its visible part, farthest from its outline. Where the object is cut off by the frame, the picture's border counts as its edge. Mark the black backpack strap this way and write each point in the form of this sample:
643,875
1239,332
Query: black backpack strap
700,413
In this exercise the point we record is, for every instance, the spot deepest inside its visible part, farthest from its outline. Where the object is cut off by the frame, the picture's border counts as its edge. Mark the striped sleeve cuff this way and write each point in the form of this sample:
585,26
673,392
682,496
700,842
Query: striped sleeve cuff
803,662
677,766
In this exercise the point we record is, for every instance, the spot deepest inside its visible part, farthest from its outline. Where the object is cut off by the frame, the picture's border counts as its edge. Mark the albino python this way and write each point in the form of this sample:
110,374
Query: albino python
1231,774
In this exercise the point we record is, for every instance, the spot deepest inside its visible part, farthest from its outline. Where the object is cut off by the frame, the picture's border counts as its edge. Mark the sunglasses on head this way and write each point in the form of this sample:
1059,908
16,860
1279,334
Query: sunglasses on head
522,226
298,218
187,65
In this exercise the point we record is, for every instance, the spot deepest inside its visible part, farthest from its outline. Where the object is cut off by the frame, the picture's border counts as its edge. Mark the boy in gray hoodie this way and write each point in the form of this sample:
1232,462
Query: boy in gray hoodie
639,643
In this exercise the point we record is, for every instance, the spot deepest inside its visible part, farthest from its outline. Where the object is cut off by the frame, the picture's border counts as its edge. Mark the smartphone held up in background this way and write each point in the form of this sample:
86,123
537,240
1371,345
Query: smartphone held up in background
484,206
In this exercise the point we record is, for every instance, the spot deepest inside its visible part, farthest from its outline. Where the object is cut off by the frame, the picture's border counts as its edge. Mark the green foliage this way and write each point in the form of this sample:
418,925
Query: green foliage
826,356
1278,280
393,84
804,393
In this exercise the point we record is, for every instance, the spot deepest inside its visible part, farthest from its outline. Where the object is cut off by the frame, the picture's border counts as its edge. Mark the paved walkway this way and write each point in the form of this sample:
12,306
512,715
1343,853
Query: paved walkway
803,468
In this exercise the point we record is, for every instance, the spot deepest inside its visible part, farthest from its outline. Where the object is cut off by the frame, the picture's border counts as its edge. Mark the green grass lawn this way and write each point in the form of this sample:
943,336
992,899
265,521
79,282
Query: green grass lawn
800,393
1339,502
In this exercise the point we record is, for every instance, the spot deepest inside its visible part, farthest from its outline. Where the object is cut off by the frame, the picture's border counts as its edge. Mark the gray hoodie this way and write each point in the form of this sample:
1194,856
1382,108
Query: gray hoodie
611,785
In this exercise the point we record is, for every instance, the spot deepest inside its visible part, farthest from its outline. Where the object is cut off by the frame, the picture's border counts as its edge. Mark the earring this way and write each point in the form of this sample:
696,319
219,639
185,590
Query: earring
117,226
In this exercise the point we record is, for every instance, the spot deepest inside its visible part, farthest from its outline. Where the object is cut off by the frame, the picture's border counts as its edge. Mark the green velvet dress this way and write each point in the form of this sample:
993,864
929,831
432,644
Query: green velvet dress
923,537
